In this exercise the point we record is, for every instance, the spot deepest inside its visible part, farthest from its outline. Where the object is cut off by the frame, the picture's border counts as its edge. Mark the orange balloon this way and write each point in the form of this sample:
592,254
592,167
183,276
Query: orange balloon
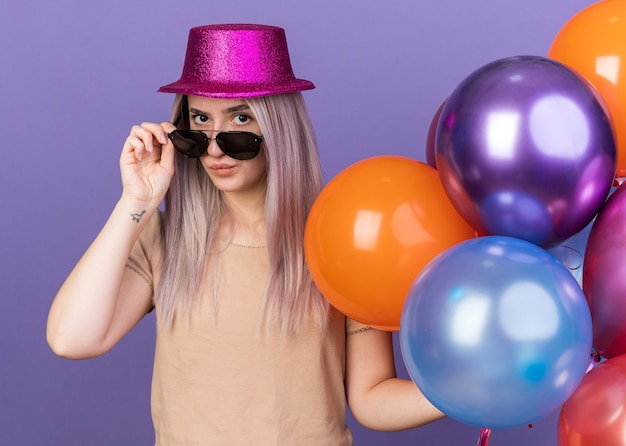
371,231
595,414
593,43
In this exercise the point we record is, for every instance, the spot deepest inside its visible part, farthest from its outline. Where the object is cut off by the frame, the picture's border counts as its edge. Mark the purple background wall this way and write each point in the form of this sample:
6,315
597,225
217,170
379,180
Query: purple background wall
76,74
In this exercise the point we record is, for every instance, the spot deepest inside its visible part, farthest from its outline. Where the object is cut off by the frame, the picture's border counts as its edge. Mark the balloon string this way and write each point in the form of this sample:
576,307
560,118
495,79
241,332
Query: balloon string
595,359
484,437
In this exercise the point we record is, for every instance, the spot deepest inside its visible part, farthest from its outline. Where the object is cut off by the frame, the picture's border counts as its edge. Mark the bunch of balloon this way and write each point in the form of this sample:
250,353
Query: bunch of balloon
496,331
372,229
592,43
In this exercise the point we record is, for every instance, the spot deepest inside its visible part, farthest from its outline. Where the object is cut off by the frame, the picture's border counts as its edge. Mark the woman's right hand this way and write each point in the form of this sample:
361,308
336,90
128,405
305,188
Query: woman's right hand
147,162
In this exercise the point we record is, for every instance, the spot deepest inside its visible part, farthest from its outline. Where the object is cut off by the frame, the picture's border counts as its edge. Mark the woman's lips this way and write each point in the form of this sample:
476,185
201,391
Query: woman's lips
221,169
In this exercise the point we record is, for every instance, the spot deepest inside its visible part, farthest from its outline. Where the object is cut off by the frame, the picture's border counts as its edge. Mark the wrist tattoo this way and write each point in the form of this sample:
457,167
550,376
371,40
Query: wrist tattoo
137,217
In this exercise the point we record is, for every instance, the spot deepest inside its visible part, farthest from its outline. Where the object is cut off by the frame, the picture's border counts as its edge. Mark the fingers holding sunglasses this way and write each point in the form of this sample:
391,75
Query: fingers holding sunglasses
167,148
147,161
146,139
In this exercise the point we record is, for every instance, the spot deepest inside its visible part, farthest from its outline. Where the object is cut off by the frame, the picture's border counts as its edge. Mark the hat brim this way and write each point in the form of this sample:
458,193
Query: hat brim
226,90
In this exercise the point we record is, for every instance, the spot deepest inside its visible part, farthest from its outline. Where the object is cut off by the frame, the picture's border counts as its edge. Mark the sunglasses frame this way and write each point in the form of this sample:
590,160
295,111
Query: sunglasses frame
183,130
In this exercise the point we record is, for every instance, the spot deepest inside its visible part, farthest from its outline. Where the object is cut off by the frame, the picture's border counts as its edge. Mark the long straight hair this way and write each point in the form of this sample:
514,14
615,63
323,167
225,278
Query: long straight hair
195,208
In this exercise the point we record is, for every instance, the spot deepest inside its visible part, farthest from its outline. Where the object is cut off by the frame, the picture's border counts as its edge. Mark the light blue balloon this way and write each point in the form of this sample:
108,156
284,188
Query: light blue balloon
496,332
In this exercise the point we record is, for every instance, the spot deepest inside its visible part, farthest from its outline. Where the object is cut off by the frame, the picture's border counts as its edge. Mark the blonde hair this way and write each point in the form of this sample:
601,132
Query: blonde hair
195,208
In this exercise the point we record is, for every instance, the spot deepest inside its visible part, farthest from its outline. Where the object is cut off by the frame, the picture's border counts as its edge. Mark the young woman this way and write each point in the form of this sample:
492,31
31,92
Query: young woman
248,351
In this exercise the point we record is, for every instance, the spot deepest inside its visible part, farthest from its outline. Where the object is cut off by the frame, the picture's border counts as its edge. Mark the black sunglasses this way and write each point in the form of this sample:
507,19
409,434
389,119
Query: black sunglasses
237,145
195,143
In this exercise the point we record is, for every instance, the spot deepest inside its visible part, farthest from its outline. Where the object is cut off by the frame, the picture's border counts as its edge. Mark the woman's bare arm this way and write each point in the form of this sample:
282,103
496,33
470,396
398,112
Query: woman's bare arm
101,300
378,399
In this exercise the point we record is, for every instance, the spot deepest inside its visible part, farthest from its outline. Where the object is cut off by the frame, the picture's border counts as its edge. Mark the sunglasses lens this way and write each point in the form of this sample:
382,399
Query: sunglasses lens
190,143
239,145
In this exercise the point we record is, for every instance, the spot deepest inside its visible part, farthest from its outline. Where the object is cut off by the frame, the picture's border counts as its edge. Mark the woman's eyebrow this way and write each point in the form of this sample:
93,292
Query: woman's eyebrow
236,108
195,111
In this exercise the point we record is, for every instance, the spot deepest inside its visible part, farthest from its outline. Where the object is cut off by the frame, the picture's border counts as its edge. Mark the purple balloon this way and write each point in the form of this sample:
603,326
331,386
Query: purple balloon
430,137
525,148
604,276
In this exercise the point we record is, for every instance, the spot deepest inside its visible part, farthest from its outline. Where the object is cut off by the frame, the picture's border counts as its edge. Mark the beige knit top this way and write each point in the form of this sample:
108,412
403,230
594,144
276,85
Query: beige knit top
222,381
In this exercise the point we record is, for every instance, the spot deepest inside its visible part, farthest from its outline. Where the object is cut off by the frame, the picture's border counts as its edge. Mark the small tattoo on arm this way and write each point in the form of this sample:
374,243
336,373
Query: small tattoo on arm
137,217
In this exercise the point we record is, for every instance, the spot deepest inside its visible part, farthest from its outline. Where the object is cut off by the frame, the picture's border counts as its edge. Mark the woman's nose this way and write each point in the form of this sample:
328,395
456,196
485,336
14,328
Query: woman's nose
214,148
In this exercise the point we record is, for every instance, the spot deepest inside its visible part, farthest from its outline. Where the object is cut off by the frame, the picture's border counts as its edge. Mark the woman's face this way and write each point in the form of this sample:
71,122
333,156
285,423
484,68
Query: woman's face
228,174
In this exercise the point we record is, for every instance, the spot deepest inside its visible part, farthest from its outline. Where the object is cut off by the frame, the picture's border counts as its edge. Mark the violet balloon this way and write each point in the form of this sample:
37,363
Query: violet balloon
604,276
525,149
430,136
